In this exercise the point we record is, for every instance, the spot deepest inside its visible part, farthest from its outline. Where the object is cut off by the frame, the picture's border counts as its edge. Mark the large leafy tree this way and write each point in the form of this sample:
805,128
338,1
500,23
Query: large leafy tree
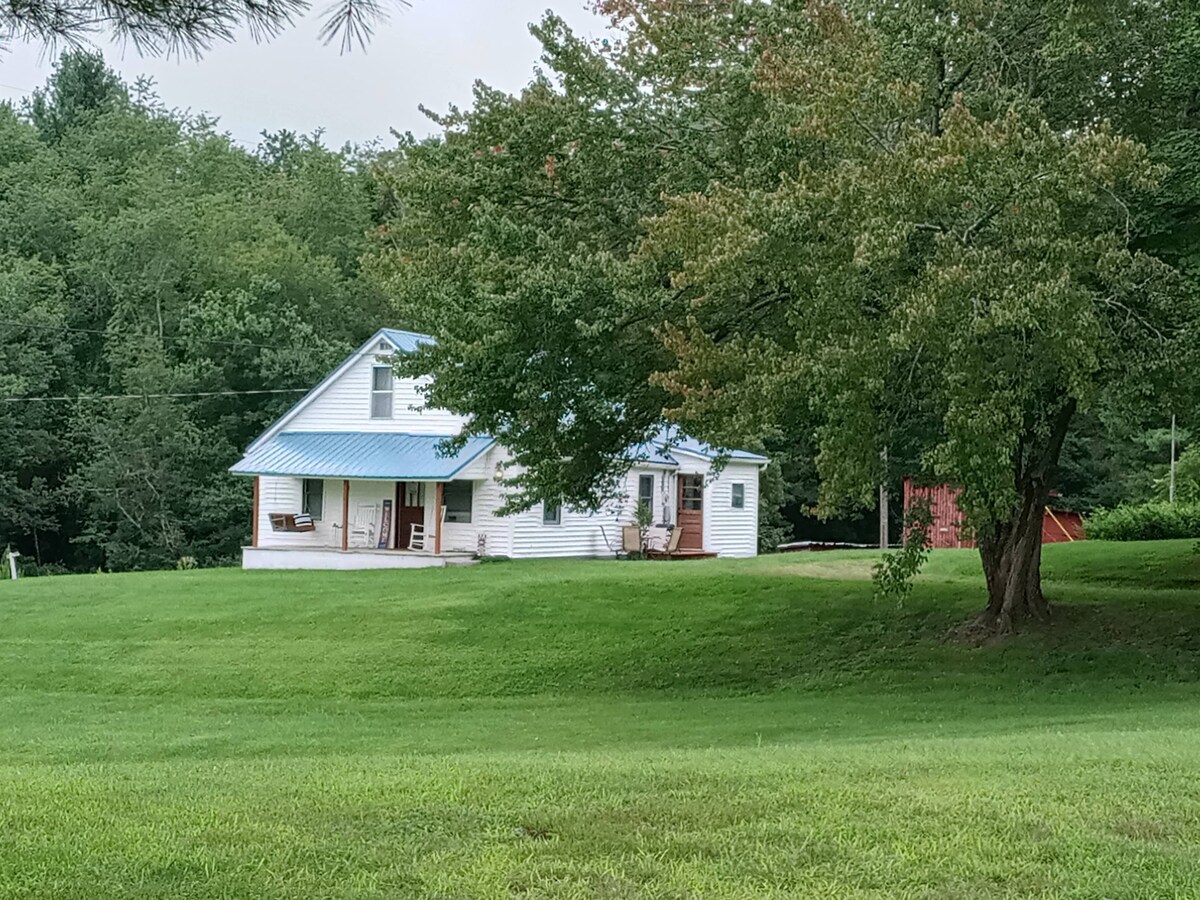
918,226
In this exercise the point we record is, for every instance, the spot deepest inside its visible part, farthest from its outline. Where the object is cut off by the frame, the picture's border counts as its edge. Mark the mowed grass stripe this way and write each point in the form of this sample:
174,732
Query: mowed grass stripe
761,728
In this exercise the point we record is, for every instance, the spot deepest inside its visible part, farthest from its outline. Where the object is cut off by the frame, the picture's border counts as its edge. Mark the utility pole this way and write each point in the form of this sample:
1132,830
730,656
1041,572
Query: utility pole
884,541
1171,494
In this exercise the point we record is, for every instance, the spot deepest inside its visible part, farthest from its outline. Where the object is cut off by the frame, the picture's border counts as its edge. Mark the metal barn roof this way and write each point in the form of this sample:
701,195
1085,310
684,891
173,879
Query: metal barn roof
383,455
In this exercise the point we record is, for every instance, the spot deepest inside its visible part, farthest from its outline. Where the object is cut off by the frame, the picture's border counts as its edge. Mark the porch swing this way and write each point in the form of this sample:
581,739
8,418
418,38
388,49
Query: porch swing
293,522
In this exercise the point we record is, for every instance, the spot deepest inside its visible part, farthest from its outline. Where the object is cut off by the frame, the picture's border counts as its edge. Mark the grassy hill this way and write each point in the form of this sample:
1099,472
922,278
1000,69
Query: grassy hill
761,728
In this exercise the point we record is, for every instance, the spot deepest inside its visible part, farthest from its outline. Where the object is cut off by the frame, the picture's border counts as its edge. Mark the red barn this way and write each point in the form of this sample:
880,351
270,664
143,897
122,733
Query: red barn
1058,526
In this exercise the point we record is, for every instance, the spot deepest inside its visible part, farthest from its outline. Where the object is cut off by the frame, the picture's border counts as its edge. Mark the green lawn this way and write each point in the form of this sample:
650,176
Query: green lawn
556,730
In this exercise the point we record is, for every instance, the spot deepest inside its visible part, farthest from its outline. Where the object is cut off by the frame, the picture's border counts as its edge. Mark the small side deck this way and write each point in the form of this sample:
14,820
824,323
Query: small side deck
348,560
679,555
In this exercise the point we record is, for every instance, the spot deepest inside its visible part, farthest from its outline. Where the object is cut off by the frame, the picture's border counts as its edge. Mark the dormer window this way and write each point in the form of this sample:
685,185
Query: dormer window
381,392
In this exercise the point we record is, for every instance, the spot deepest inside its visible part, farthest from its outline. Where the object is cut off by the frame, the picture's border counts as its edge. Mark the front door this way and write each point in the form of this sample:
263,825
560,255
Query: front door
689,512
410,510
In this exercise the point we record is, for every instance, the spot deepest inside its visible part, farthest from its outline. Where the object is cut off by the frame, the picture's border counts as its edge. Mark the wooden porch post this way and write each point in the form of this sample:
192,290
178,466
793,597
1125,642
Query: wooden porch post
346,514
254,524
437,518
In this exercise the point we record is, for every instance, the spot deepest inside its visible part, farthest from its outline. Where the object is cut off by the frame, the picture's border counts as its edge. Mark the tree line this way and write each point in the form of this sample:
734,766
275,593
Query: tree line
146,258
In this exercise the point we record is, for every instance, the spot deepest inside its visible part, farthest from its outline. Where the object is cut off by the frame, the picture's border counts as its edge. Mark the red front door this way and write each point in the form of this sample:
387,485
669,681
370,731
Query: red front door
689,512
410,510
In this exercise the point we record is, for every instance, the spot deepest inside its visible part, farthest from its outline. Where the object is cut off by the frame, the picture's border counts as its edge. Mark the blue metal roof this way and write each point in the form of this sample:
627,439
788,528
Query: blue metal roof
384,455
686,444
406,341
652,452
661,449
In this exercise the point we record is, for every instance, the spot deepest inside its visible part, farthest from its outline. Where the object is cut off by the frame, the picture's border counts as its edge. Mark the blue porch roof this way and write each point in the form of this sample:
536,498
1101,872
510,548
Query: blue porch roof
382,455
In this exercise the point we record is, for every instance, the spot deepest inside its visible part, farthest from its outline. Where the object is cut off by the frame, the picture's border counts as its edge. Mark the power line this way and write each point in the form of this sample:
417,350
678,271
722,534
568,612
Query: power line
106,333
102,397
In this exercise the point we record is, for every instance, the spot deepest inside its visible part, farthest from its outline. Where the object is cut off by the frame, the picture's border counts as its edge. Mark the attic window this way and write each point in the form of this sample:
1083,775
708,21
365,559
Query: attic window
384,347
381,392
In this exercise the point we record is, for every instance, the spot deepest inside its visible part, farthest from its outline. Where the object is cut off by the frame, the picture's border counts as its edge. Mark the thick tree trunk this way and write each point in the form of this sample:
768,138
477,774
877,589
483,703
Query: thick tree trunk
1012,551
1012,561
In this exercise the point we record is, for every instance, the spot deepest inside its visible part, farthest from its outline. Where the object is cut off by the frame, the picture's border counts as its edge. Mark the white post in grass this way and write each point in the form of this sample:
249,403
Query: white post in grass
1171,490
12,563
884,537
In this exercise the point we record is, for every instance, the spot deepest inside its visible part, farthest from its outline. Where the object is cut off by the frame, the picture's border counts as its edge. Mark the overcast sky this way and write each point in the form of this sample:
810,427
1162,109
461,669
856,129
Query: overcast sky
431,54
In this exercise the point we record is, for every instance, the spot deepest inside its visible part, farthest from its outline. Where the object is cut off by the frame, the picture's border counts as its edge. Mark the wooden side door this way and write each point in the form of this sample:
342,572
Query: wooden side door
410,510
689,511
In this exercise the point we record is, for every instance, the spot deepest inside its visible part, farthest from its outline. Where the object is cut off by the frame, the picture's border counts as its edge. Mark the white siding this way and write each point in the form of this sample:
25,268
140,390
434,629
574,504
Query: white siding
485,500
729,531
278,494
577,535
580,534
345,405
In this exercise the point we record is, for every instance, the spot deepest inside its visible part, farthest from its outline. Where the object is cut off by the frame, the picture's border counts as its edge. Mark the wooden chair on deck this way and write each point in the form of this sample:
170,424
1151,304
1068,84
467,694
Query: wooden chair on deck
671,548
631,539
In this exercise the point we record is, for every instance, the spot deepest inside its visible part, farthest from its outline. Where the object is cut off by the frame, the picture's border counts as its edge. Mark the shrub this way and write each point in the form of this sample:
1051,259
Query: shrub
1155,521
893,575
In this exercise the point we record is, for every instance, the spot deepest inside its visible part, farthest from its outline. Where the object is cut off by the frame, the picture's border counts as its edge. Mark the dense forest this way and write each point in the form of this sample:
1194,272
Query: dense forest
165,293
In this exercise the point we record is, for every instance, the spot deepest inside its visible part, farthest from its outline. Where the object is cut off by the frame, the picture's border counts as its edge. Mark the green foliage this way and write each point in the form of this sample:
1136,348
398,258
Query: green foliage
1187,478
837,226
773,496
1155,521
143,254
80,88
893,575
174,27
643,516
577,729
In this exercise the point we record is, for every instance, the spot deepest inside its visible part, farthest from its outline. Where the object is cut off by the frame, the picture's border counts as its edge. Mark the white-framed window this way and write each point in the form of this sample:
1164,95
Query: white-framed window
739,496
457,497
551,513
381,392
312,498
646,491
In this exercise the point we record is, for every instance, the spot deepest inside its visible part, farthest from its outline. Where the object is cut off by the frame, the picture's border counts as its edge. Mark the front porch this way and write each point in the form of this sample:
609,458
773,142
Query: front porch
363,501
348,560
326,523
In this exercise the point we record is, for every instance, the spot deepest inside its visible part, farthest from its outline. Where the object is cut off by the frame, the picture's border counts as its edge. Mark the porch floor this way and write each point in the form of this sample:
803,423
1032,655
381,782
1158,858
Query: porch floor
679,555
349,560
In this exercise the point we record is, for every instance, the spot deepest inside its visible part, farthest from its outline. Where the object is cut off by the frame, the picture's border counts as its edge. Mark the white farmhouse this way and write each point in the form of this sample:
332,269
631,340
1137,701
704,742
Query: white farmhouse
352,478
